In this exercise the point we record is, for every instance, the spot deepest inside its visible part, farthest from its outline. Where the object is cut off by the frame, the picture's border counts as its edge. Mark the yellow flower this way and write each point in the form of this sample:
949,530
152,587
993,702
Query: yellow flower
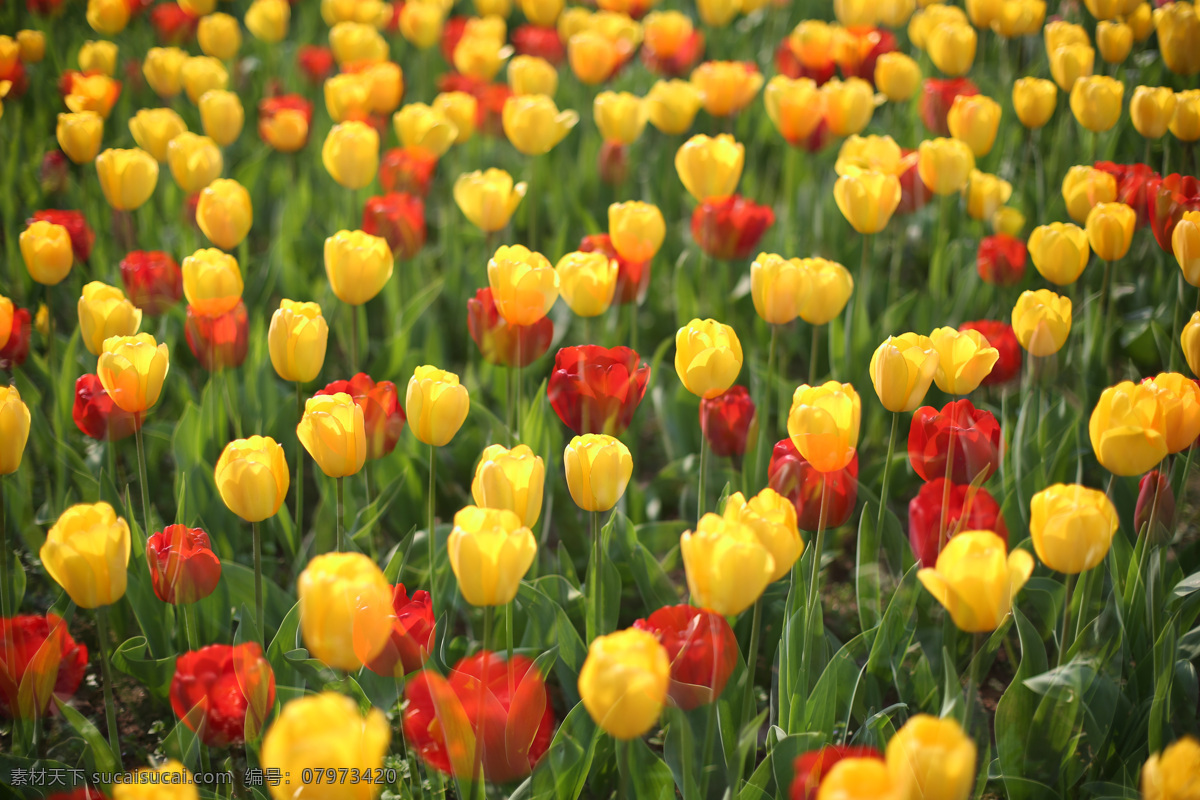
79,135
849,105
983,13
951,47
98,57
898,76
1034,100
727,86
858,778
268,20
87,553
219,36
975,120
212,282
623,682
779,287
672,105
772,518
830,287
421,23
490,551
198,8
986,194
894,13
385,86
976,580
489,198
154,128
200,74
351,154
524,284
823,424
127,177
333,432
163,70
327,731
1178,29
222,116
32,45
1152,109
534,124
510,479
195,162
1115,40
1070,62
1128,429
296,341
436,405
1185,243
1019,18
46,251
867,199
932,758
107,16
717,13
170,780
708,357
727,565
902,368
1060,251
459,108
358,265
480,56
92,93
1190,342
637,229
543,13
964,359
929,17
14,429
1110,229
795,107
1171,774
587,282
532,75
419,125
1085,187
347,96
856,13
1179,399
1096,101
1141,20
1008,220
870,153
286,130
252,477
621,117
224,213
368,12
1072,527
598,468
345,609
104,312
1185,123
592,56
944,165
355,41
132,370
1042,321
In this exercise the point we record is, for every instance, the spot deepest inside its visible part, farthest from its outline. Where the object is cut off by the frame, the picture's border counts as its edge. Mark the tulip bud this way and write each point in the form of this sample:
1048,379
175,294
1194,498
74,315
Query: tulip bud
1128,429
358,265
283,122
345,611
671,106
222,116
931,757
132,370
104,312
14,424
1034,100
252,477
461,109
779,287
1042,320
598,469
1072,527
902,369
1096,102
163,69
489,198
512,480
99,57
727,564
637,229
200,74
534,124
87,553
419,125
830,287
154,128
79,135
1110,229
351,154
587,282
523,284
867,199
1070,62
1154,514
195,162
183,567
849,105
823,423
1115,40
333,432
127,177
490,551
332,725
624,681
945,165
772,518
951,47
1060,252
1151,109
964,359
219,36
532,75
268,20
421,24
710,167
46,250
1185,124
436,405
108,17
708,357
975,120
296,341
976,581
897,76
212,282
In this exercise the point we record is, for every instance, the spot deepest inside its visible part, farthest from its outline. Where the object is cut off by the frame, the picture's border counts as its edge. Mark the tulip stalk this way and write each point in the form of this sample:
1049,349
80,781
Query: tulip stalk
432,505
748,705
596,579
703,469
341,516
813,352
764,422
813,587
887,469
299,465
110,707
1062,642
141,455
258,590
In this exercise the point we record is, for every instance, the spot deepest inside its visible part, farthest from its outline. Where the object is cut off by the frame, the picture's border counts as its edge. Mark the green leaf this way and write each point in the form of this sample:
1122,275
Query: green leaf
563,772
99,753
648,774
154,673
867,569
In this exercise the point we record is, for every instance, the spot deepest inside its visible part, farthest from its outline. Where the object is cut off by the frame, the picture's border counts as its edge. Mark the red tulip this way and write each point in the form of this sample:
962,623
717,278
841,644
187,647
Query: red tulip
39,652
54,172
173,24
787,62
937,95
1166,199
678,63
489,112
78,793
96,415
870,44
530,40
1000,335
727,421
77,228
1133,182
383,415
315,62
44,8
1163,508
925,533
501,343
217,687
730,228
219,341
16,350
702,649
790,474
596,390
153,281
809,768
452,32
976,437
408,170
15,75
513,727
412,635
633,277
270,106
183,567
400,219
1001,259
613,163
914,194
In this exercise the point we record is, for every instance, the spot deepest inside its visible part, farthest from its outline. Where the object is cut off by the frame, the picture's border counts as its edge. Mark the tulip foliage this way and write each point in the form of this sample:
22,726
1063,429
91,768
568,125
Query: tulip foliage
622,399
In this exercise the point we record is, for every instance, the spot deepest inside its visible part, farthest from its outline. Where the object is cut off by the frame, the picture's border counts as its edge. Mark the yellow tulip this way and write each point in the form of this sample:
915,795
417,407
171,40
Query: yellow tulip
1152,109
14,429
717,13
708,357
488,199
964,359
1185,124
1072,527
858,778
98,57
532,75
727,566
672,105
1096,102
795,107
1128,428
333,432
490,551
421,24
593,57
222,116
195,162
107,16
163,70
976,580
252,477
358,265
524,284
1190,342
587,282
1141,20
952,48
929,17
154,128
132,370
419,125
1042,321
542,13
268,20
975,120
598,469
983,13
296,341
898,76
219,36
459,108
1070,62
823,424
368,12
46,251
1060,251
944,165
436,405
830,287
347,96
1114,40
32,45
727,86
200,74
212,282
902,368
710,167
779,287
510,479
127,177
170,780
932,758
623,682
87,553
867,199
534,124
224,213
894,13
1171,774
1019,18
1034,100
1179,399
1185,244
986,194
79,135
1085,187
1110,229
345,610
870,154
1008,220
637,229
355,41
849,105
385,86
480,56
104,312
351,154
621,117
772,518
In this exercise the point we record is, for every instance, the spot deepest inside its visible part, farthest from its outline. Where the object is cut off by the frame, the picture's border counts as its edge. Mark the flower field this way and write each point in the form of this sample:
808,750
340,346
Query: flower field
510,399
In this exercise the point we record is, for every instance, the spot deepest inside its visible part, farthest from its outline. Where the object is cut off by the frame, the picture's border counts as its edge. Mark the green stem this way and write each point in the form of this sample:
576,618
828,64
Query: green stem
1063,644
748,704
943,533
360,321
141,456
477,773
508,643
193,625
813,598
813,353
710,730
520,399
110,707
596,577
341,516
354,339
299,466
764,414
258,588
623,769
7,599
972,683
1107,304
1177,323
432,507
703,468
233,415
883,492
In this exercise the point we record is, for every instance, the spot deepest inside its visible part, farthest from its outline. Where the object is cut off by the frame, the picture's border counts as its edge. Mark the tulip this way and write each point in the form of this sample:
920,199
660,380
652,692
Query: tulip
936,513
1000,259
490,551
871,154
219,36
823,423
1141,20
779,287
354,41
976,582
532,75
283,122
87,553
811,769
857,779
332,725
14,331
79,135
222,116
593,56
296,341
598,469
897,76
1059,251
480,56
512,480
97,416
32,45
345,609
965,359
127,177
830,287
222,692
945,165
38,652
170,780
523,284
1070,62
108,17
728,422
489,198
594,390
412,635
902,368
1179,399
849,105
268,20
727,86
621,118
937,96
333,432
195,162
931,757
98,57
1185,123
46,251
637,229
730,228
960,436
671,106
1114,40
796,107
1034,100
975,119
1085,187
1072,527
1096,102
154,128
701,648
399,219
461,109
183,567
162,69
1178,28
534,124
14,425
501,343
986,194
710,167
212,282
867,199
219,341
436,405
624,682
357,265
419,125
717,13
587,282
543,13
1020,18
772,518
132,370
1042,320
1128,429
727,564
1152,109
200,74
951,47
708,357
104,312
1110,229
794,477
252,477
421,24
96,93
1171,774
351,154
1190,342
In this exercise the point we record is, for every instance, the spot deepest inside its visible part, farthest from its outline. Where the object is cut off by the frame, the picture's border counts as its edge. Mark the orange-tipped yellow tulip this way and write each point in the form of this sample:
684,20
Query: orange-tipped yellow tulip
524,284
795,107
727,86
964,359
976,580
436,405
823,424
87,553
252,477
296,341
1041,320
132,370
93,93
1128,429
637,229
593,57
975,120
727,566
212,282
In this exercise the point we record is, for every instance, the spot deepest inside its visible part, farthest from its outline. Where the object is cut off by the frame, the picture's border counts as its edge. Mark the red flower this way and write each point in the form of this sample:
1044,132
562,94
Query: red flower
498,341
452,32
678,63
220,690
1166,199
1133,180
15,75
790,474
596,390
1001,259
408,170
412,635
702,649
153,281
1163,508
1000,335
97,415
787,62
315,62
531,40
44,7
976,437
914,194
730,228
489,111
817,140
633,277
727,421
54,171
870,44
183,567
513,727
383,416
40,652
219,341
173,24
400,219
16,349
270,106
613,163
937,95
982,513
78,793
77,228
811,767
